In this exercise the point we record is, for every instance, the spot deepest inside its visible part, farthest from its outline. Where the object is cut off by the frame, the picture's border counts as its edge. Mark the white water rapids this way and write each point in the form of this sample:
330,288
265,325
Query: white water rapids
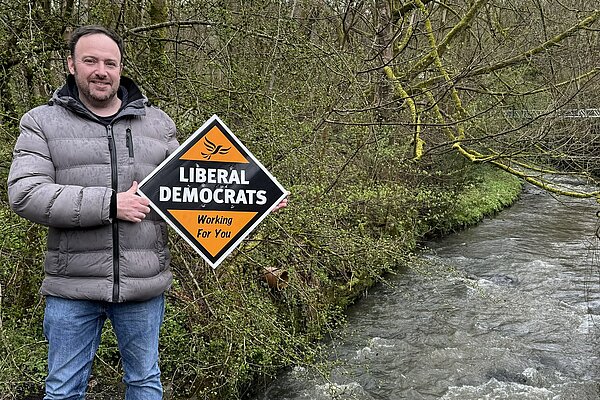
510,309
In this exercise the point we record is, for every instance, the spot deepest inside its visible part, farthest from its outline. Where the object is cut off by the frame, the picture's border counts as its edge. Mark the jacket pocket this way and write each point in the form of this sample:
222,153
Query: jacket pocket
57,256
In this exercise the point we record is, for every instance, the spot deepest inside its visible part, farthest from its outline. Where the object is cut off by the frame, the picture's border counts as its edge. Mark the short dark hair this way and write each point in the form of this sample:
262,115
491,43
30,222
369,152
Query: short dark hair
78,33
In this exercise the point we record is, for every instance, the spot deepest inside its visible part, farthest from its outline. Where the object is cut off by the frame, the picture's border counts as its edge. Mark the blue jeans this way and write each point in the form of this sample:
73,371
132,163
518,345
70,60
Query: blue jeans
73,329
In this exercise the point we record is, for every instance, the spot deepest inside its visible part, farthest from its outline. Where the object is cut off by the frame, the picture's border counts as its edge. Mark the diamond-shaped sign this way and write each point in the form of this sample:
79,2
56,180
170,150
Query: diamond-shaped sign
212,191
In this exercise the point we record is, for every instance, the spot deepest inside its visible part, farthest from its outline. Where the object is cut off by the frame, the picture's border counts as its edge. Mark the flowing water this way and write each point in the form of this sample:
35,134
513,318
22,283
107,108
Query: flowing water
509,310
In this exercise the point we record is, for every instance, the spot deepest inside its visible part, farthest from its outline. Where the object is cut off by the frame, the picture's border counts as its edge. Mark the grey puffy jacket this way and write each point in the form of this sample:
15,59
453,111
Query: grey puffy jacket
66,166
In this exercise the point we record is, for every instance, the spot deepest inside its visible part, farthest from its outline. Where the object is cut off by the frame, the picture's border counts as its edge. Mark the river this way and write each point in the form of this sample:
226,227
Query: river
508,309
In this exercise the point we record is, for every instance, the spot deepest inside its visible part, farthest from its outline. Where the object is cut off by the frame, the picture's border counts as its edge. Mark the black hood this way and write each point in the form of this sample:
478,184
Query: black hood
133,102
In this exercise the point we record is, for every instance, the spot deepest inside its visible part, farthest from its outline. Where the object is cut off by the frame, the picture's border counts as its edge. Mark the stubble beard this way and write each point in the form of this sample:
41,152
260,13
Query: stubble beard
95,97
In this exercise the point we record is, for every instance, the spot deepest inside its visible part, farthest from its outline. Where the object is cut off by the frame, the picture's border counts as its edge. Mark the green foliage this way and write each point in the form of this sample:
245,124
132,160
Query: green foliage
22,349
486,191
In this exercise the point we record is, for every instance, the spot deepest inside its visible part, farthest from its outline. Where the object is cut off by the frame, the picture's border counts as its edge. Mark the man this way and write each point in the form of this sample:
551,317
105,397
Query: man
75,169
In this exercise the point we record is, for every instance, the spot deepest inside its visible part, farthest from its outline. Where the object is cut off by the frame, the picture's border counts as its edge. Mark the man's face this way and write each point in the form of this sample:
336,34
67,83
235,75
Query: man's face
96,66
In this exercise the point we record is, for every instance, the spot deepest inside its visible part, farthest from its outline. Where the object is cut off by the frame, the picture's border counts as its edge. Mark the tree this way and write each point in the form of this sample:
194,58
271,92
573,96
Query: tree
478,61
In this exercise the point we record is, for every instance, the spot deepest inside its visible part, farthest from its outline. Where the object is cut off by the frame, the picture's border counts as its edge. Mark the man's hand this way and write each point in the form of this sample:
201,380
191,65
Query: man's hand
130,206
283,203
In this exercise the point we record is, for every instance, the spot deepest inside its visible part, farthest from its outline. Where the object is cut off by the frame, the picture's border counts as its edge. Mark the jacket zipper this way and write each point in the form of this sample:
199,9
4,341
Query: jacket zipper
115,224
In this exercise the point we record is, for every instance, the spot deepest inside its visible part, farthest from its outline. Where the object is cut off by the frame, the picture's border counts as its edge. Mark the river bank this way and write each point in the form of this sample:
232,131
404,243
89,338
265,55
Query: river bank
228,331
487,192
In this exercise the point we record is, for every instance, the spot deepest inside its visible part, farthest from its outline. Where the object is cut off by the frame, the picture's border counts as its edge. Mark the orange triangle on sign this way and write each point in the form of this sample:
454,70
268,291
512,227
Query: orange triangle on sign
214,230
214,146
